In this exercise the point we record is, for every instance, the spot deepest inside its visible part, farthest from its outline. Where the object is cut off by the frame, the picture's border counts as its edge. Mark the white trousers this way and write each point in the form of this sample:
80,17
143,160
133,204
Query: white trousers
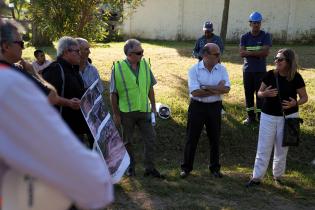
270,136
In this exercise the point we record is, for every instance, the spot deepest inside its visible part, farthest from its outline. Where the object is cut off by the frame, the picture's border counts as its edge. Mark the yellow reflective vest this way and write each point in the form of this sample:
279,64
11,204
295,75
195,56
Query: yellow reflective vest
132,91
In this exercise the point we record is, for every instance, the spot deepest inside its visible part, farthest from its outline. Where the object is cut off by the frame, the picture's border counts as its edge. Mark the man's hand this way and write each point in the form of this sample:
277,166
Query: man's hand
244,53
270,92
74,103
27,66
221,84
289,104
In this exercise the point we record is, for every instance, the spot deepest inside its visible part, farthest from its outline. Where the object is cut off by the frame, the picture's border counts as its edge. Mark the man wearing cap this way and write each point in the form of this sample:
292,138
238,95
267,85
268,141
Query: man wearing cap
209,37
254,48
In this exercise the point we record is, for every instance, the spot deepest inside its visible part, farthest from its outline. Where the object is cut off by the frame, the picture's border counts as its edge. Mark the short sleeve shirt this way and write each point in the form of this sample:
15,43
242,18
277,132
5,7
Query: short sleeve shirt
271,105
90,75
113,88
255,43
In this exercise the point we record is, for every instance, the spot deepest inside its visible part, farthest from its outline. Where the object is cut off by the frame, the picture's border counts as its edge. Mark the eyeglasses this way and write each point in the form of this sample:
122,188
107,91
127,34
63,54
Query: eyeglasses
137,53
255,22
72,50
215,54
21,43
279,59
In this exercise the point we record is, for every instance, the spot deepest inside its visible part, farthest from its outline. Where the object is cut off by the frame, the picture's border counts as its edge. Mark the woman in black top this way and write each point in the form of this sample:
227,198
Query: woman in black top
291,85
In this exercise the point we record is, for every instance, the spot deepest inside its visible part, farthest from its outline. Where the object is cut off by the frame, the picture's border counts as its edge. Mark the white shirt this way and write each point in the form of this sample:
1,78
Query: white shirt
199,75
38,67
34,140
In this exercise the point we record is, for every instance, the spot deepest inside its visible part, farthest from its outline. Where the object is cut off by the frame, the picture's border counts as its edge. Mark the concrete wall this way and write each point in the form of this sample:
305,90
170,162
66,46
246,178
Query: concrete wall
287,20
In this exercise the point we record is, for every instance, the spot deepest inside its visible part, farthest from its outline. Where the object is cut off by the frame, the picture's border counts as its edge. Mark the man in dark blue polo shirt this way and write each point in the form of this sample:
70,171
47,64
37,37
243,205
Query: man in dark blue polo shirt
254,48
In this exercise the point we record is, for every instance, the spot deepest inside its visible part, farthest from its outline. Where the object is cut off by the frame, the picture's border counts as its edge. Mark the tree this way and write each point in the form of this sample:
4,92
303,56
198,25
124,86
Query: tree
19,5
225,18
78,18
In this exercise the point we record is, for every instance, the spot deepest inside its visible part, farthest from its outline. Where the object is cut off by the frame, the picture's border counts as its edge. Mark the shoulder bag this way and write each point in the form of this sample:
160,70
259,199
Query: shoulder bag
291,128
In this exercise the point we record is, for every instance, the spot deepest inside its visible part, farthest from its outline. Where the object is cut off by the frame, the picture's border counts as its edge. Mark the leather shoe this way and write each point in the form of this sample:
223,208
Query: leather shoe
217,174
183,174
154,173
252,183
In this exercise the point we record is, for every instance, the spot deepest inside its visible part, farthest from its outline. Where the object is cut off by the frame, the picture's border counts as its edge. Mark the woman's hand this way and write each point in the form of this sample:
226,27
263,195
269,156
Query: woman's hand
270,92
289,104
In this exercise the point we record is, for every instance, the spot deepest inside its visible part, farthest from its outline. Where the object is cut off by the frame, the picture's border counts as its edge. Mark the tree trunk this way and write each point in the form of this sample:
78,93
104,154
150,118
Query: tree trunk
39,38
225,18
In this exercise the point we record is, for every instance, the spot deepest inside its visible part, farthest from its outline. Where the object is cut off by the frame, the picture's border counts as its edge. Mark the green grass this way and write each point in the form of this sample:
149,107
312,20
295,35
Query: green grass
170,63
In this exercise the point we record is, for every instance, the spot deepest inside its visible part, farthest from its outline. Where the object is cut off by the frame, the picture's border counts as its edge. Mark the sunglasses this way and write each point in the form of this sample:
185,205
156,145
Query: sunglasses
72,50
279,59
21,43
137,53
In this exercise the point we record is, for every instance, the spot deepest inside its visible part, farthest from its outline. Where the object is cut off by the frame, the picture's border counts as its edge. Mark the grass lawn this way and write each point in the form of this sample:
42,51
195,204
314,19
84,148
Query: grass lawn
170,63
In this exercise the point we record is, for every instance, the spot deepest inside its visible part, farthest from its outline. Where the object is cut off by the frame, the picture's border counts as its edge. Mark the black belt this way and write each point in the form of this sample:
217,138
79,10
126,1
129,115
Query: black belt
200,102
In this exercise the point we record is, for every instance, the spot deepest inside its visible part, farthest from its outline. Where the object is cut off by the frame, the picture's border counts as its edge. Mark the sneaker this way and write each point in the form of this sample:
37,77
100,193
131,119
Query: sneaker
131,171
183,174
249,121
154,173
252,183
217,174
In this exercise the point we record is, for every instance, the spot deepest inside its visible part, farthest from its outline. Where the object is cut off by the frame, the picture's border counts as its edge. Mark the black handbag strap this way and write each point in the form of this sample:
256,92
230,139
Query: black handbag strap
277,83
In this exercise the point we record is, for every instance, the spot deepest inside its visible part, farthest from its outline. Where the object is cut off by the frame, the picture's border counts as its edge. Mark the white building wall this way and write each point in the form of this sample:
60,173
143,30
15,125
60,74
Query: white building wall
182,19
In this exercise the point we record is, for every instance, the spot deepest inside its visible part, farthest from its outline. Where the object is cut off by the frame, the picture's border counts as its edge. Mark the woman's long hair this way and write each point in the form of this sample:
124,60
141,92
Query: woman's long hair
291,59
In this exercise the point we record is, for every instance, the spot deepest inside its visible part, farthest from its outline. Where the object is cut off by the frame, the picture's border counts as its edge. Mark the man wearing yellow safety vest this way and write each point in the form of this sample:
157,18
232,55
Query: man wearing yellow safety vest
254,48
133,101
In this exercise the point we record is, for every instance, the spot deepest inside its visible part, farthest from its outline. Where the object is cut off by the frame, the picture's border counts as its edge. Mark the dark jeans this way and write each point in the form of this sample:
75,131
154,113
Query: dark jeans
200,114
252,82
143,121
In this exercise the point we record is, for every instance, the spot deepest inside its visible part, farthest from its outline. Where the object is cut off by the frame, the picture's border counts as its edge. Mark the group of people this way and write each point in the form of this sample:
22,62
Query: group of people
208,79
77,171
38,141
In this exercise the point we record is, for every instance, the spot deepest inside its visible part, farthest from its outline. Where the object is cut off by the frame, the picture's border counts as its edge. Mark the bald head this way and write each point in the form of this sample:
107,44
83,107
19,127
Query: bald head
210,48
210,55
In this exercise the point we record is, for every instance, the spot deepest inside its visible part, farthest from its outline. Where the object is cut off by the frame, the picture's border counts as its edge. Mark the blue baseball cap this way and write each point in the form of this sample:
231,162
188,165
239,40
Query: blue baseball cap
208,26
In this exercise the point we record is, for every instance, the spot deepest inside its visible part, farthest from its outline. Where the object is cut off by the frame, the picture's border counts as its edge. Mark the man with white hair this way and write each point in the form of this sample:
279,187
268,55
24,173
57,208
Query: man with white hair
88,71
64,75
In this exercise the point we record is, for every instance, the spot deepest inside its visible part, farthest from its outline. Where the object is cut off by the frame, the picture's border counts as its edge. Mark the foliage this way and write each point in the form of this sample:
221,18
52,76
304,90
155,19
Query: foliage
78,18
19,6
